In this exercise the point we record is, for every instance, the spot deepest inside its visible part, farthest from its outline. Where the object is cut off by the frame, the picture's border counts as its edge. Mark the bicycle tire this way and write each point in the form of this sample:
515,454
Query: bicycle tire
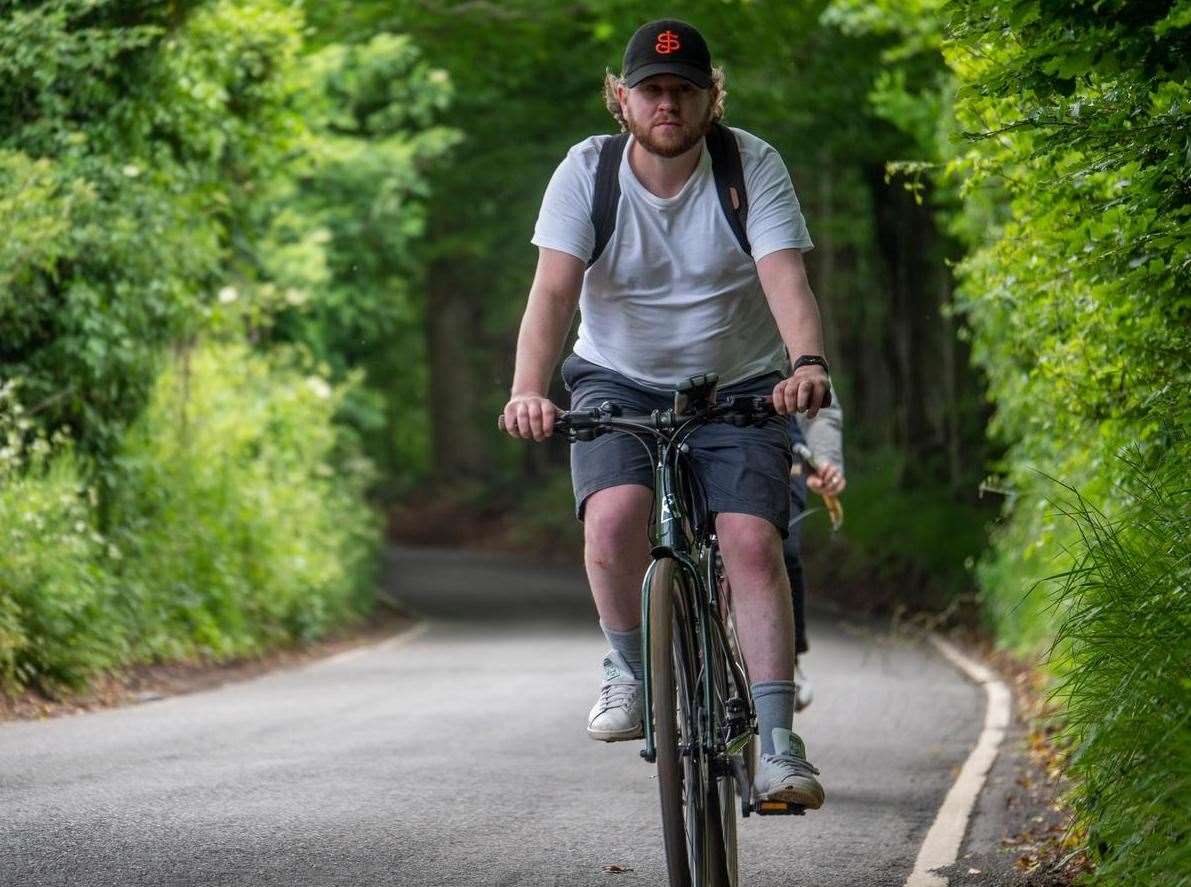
750,752
728,804
721,805
683,825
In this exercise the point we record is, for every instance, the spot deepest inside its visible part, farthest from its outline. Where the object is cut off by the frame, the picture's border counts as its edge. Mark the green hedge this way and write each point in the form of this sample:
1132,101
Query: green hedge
1078,295
1066,138
237,524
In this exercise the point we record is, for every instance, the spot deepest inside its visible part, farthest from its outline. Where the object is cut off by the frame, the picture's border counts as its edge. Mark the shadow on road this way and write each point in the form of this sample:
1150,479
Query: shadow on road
453,585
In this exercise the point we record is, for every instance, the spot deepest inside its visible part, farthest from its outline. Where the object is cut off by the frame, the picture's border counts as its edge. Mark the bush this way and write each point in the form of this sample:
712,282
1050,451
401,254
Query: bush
57,625
139,147
1022,618
238,529
237,524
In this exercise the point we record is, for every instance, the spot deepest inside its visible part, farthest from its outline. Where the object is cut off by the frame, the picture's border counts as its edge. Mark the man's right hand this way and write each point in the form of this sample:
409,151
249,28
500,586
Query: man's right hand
529,416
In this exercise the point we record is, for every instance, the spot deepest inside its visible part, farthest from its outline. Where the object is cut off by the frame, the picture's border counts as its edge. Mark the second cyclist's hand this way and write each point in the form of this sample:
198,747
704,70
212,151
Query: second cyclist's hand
529,416
829,481
803,392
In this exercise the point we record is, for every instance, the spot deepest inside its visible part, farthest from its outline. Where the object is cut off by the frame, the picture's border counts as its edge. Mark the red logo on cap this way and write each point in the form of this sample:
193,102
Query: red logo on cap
667,43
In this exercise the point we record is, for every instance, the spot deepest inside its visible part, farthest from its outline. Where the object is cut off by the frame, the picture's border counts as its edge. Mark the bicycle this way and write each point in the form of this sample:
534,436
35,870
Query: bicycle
700,721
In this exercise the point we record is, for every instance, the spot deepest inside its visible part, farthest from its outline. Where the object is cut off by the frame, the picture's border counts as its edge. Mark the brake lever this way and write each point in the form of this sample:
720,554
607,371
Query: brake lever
591,432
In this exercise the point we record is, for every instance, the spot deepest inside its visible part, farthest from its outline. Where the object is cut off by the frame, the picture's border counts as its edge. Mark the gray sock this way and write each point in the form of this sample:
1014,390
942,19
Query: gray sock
774,701
628,645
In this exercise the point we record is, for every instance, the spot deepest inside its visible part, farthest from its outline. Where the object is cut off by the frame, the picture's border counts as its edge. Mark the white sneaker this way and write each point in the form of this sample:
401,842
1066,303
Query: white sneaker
787,775
616,716
804,693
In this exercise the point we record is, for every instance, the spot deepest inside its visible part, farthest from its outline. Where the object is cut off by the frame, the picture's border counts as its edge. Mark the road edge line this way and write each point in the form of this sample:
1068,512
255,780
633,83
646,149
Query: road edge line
943,840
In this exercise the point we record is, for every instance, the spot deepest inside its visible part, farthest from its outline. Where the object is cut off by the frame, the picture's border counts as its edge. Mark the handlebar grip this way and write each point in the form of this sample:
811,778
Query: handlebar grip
580,425
826,399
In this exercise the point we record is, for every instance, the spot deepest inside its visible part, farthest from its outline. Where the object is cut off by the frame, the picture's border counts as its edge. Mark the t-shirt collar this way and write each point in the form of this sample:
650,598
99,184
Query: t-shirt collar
702,169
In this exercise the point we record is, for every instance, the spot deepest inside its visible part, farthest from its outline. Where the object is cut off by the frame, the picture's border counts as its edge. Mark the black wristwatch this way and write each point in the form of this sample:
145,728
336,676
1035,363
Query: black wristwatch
810,360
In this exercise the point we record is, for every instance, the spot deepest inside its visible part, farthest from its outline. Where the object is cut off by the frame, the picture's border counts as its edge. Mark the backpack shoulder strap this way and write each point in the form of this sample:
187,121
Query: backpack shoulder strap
729,181
607,193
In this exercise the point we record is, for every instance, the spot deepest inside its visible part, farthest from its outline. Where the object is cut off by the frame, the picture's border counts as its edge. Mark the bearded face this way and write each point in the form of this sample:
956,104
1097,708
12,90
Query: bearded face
667,115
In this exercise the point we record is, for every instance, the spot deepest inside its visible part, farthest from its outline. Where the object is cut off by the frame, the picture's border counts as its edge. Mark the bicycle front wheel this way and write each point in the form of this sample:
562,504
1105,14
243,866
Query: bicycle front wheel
722,802
683,785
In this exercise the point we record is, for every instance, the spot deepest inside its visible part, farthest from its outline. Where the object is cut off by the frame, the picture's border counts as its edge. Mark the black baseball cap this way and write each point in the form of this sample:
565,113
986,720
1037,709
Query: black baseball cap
667,46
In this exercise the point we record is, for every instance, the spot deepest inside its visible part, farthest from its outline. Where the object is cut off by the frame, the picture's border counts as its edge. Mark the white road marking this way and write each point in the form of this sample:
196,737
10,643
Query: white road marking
941,845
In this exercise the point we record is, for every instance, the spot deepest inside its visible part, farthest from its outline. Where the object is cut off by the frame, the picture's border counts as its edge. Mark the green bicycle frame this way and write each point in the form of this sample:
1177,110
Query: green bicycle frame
670,541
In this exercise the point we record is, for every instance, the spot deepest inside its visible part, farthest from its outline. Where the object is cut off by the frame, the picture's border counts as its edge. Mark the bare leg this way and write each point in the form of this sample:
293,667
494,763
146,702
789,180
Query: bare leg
761,599
616,552
752,552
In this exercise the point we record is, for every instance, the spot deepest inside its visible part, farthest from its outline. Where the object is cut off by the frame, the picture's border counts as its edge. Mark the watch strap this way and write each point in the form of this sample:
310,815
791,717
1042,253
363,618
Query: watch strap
810,360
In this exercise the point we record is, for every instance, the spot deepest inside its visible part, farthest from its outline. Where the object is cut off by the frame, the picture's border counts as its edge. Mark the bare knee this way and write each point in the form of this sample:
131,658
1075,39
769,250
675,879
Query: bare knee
615,523
751,546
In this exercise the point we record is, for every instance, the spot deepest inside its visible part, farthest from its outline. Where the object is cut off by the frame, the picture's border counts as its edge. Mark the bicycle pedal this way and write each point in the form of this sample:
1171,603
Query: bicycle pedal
739,744
777,808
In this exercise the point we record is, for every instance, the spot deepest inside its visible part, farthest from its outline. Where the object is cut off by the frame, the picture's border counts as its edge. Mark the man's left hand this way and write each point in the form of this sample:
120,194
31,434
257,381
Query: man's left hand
804,392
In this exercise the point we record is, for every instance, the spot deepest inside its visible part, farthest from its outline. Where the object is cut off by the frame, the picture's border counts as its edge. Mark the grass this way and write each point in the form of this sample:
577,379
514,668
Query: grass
1123,649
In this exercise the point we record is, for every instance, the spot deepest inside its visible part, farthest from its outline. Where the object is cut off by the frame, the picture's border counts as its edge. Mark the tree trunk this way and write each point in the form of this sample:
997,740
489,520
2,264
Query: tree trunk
824,280
458,430
906,241
951,382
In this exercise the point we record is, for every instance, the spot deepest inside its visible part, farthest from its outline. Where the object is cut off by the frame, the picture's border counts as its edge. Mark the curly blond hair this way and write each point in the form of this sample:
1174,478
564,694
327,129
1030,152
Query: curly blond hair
613,81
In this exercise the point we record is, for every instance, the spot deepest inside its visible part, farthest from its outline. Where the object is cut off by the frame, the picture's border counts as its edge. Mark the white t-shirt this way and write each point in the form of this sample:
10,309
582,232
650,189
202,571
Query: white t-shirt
673,294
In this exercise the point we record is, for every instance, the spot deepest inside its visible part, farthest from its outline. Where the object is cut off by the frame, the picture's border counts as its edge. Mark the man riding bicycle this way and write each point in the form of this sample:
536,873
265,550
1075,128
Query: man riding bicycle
676,290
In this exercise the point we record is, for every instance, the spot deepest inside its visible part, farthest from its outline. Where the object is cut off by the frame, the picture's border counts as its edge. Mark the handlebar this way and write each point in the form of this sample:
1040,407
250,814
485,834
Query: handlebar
694,404
741,411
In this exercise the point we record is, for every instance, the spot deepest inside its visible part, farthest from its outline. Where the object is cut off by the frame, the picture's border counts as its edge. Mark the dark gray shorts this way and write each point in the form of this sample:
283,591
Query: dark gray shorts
744,470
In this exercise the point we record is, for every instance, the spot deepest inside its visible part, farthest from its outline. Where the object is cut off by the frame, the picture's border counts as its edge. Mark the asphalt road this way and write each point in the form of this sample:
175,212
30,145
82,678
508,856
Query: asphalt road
457,756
